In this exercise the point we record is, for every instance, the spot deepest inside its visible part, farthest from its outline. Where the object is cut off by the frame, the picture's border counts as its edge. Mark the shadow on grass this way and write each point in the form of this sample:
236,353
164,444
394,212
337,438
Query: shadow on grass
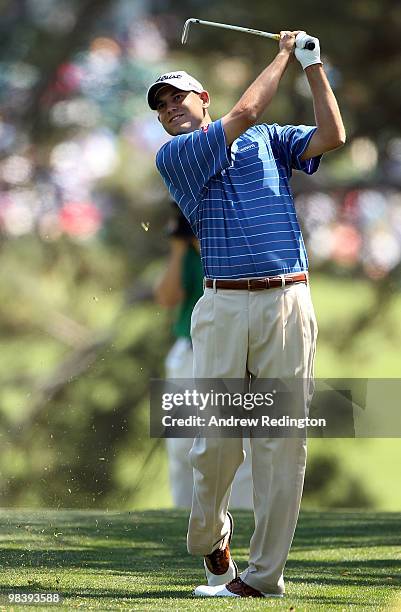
348,529
165,566
152,543
110,558
165,528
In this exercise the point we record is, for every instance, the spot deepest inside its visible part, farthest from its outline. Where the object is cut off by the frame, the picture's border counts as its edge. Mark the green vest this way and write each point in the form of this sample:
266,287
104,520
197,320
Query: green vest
192,283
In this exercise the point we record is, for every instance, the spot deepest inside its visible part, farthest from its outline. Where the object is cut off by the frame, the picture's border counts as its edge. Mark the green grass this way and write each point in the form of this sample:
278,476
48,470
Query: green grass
138,561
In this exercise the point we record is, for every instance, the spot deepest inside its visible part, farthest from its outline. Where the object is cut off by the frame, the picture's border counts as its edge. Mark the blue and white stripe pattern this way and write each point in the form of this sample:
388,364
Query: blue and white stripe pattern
238,199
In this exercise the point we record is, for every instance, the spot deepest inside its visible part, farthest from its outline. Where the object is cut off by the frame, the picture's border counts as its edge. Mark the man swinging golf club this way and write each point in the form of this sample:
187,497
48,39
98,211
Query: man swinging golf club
230,178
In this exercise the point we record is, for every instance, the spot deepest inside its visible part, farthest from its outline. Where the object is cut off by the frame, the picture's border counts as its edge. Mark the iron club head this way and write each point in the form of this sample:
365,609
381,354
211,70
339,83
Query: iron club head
185,30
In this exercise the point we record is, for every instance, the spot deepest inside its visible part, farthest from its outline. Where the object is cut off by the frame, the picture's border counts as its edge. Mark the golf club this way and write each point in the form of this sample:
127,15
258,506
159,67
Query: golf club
309,45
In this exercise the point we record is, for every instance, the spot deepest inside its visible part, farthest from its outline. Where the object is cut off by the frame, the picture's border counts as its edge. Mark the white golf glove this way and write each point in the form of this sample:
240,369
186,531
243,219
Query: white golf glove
307,57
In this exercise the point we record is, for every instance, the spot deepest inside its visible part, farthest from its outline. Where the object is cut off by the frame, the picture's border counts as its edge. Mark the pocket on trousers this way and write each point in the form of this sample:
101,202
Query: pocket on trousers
306,311
197,310
194,315
310,331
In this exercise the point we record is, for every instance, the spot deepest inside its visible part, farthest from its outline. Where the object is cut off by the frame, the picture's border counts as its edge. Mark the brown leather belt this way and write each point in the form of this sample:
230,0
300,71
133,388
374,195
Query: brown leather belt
257,284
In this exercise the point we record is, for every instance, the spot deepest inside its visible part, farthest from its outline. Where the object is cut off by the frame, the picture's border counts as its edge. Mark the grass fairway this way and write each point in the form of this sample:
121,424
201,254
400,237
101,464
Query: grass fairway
138,561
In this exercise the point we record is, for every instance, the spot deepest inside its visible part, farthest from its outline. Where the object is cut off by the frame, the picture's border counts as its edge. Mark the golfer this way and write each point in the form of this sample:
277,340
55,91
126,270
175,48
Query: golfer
230,178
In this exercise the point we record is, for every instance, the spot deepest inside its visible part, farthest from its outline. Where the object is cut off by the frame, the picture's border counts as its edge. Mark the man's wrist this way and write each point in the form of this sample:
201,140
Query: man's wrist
314,68
315,73
283,58
286,53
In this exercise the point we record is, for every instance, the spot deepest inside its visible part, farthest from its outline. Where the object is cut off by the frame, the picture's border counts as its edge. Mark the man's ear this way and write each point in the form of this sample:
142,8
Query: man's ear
204,96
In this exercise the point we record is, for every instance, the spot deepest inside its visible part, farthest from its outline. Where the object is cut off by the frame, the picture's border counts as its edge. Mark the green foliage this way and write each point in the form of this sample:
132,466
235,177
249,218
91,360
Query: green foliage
329,484
84,353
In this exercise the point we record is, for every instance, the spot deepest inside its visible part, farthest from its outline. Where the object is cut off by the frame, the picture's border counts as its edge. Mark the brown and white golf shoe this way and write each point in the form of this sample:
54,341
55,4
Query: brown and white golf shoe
235,588
219,565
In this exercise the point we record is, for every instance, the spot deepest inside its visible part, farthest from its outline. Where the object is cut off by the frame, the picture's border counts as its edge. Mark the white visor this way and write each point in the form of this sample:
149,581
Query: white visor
179,79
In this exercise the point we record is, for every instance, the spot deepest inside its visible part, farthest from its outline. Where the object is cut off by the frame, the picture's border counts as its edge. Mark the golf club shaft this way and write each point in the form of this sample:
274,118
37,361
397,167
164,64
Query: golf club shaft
226,27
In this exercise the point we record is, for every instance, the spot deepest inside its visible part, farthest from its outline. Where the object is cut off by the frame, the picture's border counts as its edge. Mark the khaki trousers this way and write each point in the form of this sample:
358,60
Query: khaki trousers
269,334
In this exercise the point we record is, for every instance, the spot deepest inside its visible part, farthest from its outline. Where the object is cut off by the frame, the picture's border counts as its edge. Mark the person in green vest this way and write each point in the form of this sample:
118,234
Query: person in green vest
180,287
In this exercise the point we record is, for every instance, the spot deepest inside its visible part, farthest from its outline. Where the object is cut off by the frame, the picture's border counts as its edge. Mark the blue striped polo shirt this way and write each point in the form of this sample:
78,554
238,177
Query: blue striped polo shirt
238,199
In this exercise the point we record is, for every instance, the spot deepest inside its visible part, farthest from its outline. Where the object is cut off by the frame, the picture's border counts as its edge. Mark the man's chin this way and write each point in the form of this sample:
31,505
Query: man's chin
185,128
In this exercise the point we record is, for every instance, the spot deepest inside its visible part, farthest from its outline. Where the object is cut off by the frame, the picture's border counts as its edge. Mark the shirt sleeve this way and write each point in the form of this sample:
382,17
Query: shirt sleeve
291,142
189,161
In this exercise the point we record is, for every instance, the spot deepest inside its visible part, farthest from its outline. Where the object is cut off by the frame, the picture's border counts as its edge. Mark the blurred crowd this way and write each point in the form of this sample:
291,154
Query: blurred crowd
95,107
94,104
354,229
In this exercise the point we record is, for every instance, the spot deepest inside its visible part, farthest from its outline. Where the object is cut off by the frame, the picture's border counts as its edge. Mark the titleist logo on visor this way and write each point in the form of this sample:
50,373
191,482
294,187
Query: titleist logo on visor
168,76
